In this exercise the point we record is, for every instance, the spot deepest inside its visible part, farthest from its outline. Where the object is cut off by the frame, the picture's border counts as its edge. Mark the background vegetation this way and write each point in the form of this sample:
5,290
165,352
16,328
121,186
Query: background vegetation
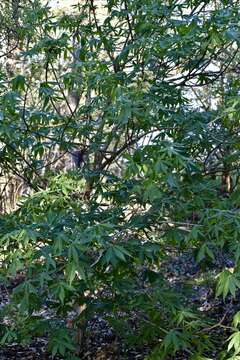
119,149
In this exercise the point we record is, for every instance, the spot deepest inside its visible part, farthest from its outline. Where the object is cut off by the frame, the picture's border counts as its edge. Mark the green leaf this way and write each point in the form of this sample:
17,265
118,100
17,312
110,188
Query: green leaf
227,283
234,342
18,83
236,319
71,272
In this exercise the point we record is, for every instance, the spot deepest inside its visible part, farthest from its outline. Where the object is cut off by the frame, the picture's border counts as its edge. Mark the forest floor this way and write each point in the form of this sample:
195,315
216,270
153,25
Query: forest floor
103,344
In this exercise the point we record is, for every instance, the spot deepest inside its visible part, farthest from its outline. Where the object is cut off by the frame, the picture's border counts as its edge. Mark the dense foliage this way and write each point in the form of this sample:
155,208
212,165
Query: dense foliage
142,97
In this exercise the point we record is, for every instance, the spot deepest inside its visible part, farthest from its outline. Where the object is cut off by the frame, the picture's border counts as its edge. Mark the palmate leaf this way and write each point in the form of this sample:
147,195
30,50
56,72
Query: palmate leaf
175,340
114,254
60,342
236,250
8,337
185,315
236,319
234,342
204,252
18,83
228,283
